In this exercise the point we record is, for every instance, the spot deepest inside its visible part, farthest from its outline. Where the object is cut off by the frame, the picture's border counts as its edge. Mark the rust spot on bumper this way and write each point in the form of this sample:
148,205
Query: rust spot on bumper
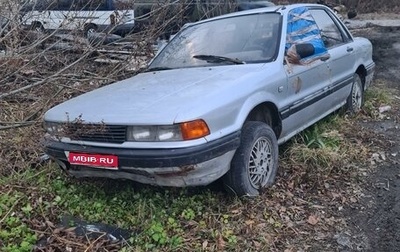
183,170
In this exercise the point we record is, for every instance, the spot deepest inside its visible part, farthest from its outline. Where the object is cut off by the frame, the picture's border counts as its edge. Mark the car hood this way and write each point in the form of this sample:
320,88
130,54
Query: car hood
153,97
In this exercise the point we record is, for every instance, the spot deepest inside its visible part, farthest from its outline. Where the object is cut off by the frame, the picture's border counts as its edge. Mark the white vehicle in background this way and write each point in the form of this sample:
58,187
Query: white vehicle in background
111,16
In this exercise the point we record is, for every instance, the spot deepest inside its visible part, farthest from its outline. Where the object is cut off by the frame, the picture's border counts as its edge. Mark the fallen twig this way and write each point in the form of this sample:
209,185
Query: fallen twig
17,125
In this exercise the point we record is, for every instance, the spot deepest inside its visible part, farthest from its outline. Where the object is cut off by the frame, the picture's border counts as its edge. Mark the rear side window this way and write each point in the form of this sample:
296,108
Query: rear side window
330,32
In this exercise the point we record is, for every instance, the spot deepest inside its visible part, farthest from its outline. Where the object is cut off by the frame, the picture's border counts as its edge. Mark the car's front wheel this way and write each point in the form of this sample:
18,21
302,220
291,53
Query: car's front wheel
356,97
255,162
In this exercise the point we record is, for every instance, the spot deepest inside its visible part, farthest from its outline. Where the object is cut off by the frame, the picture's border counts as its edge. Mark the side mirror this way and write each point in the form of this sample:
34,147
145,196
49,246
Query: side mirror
305,50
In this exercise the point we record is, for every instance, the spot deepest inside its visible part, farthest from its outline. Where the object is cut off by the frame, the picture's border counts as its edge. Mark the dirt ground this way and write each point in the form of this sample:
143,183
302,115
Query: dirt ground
374,222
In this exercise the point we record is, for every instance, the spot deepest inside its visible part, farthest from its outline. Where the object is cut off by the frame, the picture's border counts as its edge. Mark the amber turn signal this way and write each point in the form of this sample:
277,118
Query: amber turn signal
194,129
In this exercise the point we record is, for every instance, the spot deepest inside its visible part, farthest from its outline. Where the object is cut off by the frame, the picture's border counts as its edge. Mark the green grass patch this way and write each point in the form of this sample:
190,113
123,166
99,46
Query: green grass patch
375,97
158,218
14,231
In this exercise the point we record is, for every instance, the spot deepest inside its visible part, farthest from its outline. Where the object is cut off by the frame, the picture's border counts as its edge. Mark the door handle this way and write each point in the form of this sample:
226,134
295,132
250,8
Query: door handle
325,58
350,49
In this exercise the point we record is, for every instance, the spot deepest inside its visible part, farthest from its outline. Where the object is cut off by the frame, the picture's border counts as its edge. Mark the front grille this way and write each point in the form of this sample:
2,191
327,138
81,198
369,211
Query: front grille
96,132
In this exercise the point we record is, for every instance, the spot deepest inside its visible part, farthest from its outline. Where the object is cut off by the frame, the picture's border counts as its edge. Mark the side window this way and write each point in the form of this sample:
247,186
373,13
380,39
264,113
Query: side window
330,32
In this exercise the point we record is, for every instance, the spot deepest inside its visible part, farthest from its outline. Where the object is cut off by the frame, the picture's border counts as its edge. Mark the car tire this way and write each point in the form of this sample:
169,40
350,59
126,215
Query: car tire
257,153
356,98
89,29
38,27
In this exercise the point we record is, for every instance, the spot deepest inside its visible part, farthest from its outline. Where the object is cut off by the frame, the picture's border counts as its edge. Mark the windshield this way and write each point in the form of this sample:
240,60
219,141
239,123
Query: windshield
243,39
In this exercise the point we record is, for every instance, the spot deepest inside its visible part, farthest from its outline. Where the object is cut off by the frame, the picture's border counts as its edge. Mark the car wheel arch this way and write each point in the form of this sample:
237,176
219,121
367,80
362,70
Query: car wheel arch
37,25
89,26
266,112
362,72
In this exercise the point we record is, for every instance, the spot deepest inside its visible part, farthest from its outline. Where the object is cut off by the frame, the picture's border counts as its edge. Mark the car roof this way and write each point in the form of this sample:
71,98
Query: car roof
277,8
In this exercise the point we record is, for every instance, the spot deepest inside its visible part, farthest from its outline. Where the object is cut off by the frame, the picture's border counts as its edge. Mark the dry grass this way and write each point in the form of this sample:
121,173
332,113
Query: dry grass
34,82
41,70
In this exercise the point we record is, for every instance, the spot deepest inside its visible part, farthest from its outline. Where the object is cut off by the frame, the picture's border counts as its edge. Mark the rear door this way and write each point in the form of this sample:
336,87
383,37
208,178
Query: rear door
341,50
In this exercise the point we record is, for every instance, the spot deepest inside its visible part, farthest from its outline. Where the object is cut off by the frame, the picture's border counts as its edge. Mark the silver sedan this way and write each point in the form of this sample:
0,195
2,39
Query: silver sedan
216,101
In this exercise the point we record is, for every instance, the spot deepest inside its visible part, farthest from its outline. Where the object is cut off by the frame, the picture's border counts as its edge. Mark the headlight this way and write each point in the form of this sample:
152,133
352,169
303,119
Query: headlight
53,128
154,133
164,133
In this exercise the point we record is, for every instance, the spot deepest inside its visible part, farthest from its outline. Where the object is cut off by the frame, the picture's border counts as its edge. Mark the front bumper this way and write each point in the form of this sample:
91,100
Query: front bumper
191,166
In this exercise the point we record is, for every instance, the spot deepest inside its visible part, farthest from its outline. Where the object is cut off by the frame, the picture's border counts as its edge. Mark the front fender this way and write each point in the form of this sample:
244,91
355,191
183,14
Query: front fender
234,115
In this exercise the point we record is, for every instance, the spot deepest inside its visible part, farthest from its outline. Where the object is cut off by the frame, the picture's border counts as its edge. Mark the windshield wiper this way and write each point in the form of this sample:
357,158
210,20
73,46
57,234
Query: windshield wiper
157,69
217,59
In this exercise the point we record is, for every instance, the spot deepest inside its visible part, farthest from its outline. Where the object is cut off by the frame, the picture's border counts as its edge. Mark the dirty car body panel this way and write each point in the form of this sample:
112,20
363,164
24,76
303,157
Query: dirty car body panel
182,122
